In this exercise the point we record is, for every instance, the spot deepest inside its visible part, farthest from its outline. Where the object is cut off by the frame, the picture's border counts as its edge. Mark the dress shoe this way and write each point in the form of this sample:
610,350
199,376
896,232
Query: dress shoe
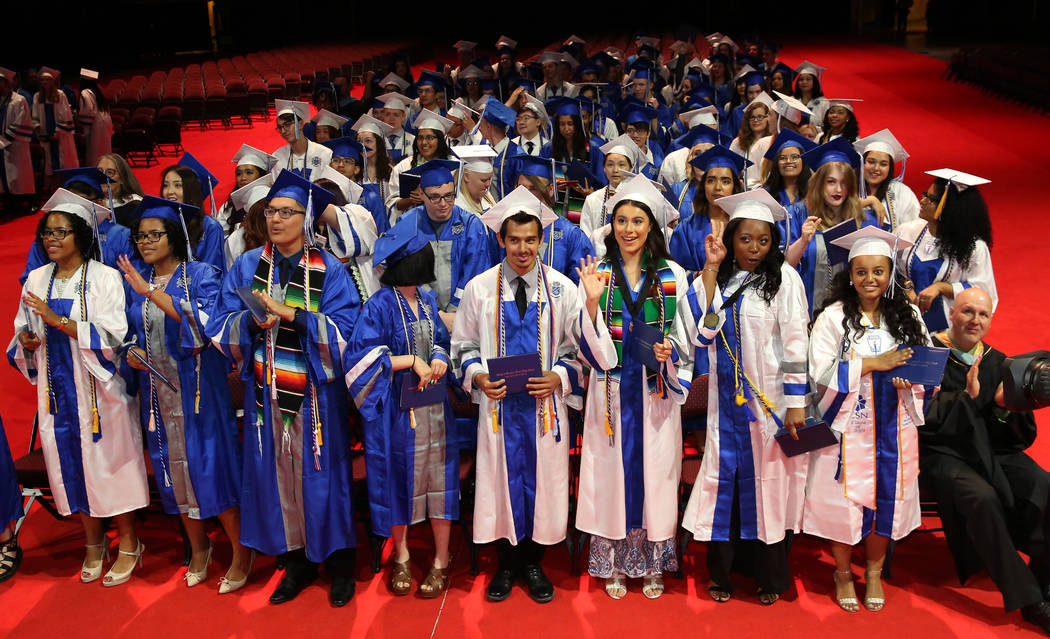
194,578
1038,614
540,588
292,585
87,575
342,590
227,585
114,578
501,585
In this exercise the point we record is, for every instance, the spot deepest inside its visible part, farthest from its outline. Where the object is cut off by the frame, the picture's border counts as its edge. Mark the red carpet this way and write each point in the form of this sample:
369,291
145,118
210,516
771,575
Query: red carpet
940,123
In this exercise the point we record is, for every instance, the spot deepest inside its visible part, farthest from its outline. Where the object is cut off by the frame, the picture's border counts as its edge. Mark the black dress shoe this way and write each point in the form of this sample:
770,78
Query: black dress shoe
342,591
290,587
1038,614
540,588
501,585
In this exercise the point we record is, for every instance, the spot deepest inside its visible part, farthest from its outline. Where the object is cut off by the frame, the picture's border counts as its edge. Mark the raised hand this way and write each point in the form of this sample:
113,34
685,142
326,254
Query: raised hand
714,249
973,382
809,228
132,276
592,283
927,296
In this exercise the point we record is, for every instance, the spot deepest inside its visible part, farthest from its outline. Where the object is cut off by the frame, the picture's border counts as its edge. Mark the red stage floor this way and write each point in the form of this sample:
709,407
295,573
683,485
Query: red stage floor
940,123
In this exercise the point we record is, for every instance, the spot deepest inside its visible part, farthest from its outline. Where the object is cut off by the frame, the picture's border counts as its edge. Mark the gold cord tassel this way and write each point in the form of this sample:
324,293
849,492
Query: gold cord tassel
495,419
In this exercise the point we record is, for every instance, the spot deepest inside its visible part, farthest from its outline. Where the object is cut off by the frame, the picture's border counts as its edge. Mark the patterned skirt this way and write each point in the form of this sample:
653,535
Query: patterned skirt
633,556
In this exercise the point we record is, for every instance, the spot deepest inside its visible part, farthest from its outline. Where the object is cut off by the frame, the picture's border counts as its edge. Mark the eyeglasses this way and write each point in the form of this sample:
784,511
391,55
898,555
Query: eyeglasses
757,118
58,234
526,116
281,126
284,214
341,160
448,198
789,158
929,197
150,236
427,138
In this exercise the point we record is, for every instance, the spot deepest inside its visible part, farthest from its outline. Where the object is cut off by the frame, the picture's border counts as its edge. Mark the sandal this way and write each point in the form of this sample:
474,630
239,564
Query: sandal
719,593
653,586
87,575
849,604
10,558
400,578
874,604
435,583
616,586
768,598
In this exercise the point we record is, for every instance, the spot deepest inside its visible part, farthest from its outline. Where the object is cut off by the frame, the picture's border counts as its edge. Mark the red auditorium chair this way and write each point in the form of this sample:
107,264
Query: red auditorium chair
167,130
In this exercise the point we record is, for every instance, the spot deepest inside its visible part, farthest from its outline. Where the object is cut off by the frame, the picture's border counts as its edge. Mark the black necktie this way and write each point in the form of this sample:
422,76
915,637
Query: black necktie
284,270
529,146
519,297
393,141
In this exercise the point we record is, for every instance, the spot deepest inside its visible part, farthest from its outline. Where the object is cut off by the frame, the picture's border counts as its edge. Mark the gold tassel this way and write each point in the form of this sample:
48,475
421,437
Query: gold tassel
94,420
412,418
495,419
740,399
197,399
608,424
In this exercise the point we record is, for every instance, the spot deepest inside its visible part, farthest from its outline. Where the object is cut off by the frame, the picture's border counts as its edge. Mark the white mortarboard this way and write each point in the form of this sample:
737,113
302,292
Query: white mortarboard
744,70
615,53
504,41
884,142
520,200
7,74
396,80
845,103
810,68
733,46
328,173
790,107
245,197
697,63
428,119
68,202
465,45
48,71
568,59
253,156
477,158
324,117
641,189
628,175
548,56
706,115
754,205
574,39
680,46
372,125
470,71
300,110
762,98
459,110
625,146
962,181
394,101
88,74
649,40
714,37
535,105
872,240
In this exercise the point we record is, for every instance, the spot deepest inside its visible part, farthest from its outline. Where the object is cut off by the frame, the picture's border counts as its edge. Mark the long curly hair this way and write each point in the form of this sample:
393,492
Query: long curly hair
963,220
768,270
898,316
851,130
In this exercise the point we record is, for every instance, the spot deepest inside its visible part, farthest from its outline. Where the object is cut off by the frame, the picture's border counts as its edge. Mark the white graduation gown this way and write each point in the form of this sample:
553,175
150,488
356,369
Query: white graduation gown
113,471
593,207
602,503
901,204
674,167
354,239
845,399
63,134
317,157
15,140
753,174
773,353
473,343
97,126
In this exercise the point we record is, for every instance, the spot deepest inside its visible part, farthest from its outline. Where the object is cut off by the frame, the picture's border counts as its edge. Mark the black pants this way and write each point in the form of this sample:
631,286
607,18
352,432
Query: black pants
514,558
767,563
995,536
338,564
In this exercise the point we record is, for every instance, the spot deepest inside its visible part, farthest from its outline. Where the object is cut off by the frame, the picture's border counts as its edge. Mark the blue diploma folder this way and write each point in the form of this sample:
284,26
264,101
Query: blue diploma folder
407,182
813,436
837,254
925,367
412,397
643,337
515,370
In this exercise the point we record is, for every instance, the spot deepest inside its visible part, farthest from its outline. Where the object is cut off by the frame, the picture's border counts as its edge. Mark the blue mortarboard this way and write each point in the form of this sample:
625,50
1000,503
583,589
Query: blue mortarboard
744,58
719,57
400,241
435,172
177,212
86,175
703,92
699,134
586,104
587,66
838,150
562,106
604,59
648,50
519,81
489,84
753,78
429,78
346,147
633,114
296,187
207,180
789,73
786,139
720,156
499,114
532,165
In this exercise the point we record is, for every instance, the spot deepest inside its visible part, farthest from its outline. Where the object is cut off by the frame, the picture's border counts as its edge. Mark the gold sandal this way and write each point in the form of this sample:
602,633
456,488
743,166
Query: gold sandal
435,583
401,578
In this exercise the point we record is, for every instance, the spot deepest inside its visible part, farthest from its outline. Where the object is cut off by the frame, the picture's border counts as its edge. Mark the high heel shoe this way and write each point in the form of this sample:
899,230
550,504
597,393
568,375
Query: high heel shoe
849,604
116,578
194,578
87,575
229,585
873,604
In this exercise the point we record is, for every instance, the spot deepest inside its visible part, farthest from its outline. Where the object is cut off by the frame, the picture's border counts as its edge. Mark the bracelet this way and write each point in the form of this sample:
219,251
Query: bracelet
711,270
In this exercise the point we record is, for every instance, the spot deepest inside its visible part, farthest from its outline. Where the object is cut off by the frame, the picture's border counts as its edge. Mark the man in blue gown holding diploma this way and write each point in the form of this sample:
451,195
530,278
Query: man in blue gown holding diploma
512,316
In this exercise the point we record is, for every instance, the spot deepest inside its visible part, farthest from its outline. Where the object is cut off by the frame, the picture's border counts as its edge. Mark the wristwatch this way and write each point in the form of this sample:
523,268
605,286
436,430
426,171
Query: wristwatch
62,322
149,293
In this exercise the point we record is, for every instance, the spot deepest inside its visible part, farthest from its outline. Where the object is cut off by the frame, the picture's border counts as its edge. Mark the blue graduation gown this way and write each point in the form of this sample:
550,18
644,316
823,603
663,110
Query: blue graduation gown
389,436
210,248
370,200
10,494
116,241
505,174
326,485
213,447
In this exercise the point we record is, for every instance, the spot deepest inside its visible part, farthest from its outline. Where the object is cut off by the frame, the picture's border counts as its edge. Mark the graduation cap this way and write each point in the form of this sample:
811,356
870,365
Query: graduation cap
960,180
788,139
883,142
476,158
811,68
548,57
397,243
90,176
789,107
648,50
574,40
718,57
367,123
615,53
872,240
748,59
324,117
641,189
207,180
393,79
55,74
719,156
499,114
703,92
520,200
703,115
634,114
254,157
346,147
753,205
428,119
68,202
788,72
433,79
506,43
625,146
561,105
754,78
837,150
533,165
761,98
459,110
521,81
88,74
469,72
170,210
7,74
699,134
532,103
300,111
585,67
248,195
340,180
602,58
465,45
395,101
742,71
294,186
845,103
434,172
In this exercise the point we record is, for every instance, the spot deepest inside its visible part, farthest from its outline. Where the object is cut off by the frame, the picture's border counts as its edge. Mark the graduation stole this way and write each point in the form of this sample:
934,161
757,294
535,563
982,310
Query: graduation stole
284,368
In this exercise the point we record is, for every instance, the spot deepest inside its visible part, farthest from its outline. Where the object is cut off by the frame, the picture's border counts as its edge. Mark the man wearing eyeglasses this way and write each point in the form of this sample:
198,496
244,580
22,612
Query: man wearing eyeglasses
460,242
530,119
300,155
